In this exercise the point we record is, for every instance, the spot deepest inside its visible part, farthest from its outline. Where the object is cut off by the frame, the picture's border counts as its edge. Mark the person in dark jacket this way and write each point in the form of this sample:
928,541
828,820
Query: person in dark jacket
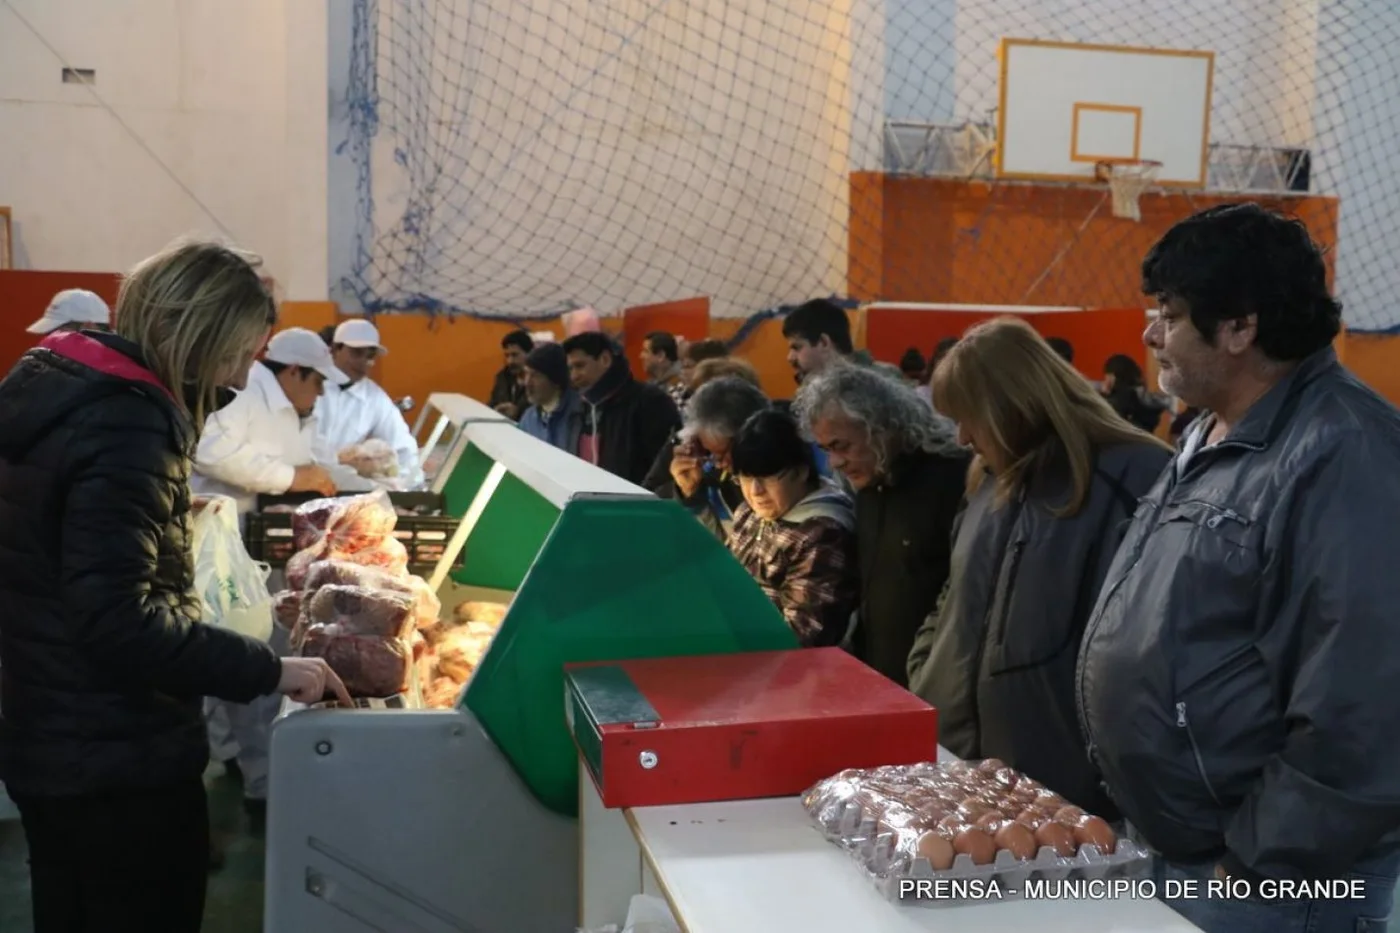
555,415
105,661
818,333
908,471
1056,475
625,422
701,475
508,390
1237,678
795,532
1126,392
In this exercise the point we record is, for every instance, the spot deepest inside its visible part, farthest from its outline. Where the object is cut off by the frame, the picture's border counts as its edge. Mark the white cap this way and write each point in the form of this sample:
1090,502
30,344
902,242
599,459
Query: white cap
357,332
297,346
72,306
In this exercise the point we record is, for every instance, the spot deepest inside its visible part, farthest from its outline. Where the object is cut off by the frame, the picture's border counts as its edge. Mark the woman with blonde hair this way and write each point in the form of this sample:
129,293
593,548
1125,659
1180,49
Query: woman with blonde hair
1056,473
105,661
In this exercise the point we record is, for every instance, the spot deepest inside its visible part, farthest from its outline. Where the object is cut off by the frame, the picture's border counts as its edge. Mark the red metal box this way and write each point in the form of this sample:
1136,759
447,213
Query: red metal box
726,727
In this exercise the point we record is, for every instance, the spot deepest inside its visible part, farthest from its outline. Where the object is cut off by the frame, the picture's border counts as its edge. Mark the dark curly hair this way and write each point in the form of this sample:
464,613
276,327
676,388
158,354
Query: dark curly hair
1228,262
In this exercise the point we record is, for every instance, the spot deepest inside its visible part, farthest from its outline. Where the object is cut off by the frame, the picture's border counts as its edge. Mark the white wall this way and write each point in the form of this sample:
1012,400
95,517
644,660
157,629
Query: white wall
225,98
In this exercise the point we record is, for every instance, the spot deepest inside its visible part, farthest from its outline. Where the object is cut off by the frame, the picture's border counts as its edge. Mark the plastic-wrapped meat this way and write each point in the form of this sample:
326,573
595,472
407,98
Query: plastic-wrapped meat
374,458
359,610
345,524
336,571
426,605
389,555
460,649
369,665
362,522
299,565
286,608
441,693
309,521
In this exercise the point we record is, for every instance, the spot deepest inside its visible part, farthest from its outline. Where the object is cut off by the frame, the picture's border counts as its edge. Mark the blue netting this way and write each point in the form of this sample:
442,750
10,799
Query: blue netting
518,158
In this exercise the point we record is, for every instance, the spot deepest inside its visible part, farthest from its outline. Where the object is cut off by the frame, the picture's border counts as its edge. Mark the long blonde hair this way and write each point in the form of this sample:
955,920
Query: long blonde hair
1005,380
196,310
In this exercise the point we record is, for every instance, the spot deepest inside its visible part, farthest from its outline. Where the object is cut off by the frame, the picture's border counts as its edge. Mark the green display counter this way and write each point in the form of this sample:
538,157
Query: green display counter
593,568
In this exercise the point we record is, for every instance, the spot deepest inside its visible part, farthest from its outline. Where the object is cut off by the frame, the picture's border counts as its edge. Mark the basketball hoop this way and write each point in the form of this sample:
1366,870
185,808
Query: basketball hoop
1127,180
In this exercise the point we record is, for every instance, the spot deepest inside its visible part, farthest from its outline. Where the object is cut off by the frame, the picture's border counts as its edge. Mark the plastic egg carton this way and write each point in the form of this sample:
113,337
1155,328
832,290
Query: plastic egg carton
892,867
891,874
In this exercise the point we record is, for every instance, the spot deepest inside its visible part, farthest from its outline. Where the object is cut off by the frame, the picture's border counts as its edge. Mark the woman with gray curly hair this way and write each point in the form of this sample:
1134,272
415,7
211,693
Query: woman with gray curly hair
908,472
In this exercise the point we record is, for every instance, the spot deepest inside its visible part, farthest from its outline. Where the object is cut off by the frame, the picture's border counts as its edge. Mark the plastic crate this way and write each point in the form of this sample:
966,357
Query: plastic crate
268,535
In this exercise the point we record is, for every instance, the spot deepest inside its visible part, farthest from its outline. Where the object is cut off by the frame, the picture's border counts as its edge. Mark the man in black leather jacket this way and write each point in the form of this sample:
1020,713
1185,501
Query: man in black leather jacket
1237,679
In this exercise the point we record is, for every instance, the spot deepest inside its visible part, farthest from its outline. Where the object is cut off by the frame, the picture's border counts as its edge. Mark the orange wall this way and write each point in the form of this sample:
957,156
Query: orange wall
1095,335
24,294
971,242
688,318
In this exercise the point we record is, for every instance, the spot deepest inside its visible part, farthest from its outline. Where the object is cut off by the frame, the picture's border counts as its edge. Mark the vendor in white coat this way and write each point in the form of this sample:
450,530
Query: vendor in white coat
356,410
266,440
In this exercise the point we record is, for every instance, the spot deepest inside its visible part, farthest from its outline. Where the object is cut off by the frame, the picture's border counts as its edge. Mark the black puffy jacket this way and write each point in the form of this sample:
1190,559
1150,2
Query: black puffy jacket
103,659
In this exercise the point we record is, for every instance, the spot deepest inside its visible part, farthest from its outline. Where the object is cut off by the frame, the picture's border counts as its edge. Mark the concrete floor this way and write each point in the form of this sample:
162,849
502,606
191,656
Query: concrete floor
235,899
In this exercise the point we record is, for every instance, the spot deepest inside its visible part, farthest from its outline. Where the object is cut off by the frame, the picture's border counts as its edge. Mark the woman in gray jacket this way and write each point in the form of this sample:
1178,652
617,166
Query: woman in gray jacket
1057,473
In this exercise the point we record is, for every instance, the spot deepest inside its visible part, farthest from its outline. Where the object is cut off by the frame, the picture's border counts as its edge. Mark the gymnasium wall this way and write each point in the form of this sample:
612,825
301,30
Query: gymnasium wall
946,240
206,117
581,169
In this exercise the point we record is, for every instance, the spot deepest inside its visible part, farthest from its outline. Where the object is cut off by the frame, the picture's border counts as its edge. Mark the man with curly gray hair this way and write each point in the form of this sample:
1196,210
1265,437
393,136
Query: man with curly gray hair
908,472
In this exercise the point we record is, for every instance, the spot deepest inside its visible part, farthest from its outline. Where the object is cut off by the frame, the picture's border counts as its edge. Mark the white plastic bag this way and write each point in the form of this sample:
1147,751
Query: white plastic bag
231,584
645,914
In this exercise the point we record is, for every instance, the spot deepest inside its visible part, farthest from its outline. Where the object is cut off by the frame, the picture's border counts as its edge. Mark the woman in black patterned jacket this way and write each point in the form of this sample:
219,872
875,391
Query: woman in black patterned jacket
795,532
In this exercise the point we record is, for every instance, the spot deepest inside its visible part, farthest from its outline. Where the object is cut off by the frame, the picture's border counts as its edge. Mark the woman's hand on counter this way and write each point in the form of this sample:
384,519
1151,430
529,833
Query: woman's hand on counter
308,680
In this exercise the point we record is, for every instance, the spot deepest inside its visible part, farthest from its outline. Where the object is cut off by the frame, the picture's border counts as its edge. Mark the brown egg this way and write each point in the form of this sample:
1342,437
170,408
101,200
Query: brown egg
1058,838
1048,798
1016,839
1031,819
990,823
1093,831
953,824
1069,816
990,766
975,808
1007,777
976,845
931,814
937,850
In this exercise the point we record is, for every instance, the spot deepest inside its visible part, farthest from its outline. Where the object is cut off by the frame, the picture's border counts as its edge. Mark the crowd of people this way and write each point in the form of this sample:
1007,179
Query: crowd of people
1190,639
1170,636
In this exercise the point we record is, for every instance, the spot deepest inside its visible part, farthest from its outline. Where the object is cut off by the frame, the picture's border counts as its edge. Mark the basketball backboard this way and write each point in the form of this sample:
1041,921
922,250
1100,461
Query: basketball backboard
1066,106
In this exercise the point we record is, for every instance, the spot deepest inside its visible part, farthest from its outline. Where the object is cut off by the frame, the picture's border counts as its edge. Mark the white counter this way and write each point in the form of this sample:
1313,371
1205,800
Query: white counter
756,866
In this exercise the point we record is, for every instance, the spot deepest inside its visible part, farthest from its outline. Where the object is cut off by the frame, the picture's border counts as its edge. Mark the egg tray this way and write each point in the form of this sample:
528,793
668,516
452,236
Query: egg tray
876,850
888,869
